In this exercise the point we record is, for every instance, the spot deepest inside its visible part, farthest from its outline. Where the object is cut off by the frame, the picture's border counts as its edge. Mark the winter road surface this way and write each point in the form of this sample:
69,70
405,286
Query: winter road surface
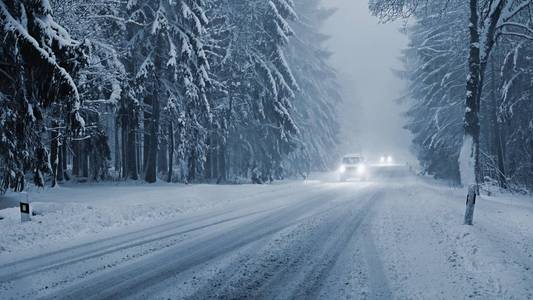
396,238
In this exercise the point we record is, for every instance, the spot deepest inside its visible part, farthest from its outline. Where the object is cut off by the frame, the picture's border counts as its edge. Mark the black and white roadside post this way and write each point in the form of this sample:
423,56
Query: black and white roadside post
470,204
25,213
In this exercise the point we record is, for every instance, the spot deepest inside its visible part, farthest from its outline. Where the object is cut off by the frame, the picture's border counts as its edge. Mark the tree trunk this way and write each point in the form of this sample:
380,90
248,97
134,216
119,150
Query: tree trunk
215,170
470,205
76,158
60,170
469,163
222,163
139,151
93,166
153,118
208,172
224,155
124,151
85,159
496,141
170,150
469,156
151,144
117,149
192,166
147,117
500,158
132,153
64,162
54,151
162,156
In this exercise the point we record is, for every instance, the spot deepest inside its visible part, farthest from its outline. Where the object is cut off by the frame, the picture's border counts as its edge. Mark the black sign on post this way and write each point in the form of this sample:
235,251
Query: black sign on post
25,210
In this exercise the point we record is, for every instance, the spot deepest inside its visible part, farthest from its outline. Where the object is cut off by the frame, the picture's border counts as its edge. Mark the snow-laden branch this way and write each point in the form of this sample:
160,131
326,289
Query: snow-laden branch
11,25
517,25
517,34
510,13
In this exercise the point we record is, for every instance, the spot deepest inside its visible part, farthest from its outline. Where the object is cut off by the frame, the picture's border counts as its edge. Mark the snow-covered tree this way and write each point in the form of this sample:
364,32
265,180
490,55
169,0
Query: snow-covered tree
487,22
510,144
435,70
186,89
38,60
170,68
259,127
315,102
100,83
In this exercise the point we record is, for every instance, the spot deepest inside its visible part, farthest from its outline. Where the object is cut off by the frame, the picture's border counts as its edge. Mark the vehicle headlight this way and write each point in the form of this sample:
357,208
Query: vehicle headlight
342,169
361,169
382,159
389,159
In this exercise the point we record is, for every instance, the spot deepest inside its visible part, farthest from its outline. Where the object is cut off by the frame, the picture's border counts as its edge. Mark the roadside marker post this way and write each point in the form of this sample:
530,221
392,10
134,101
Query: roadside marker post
470,204
25,212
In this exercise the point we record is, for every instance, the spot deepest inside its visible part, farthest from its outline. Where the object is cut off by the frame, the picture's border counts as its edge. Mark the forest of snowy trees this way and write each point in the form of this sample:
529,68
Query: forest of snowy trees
227,91
469,82
181,91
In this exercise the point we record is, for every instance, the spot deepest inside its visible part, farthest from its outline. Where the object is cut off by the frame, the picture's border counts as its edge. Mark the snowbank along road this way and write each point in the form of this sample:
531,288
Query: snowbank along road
392,238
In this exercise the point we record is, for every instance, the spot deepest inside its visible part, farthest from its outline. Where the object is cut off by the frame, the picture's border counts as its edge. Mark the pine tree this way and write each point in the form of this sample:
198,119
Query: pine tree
315,103
435,69
171,74
101,83
38,62
258,123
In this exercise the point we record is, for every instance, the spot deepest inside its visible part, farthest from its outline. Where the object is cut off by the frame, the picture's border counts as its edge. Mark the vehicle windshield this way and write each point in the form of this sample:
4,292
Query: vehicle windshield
351,160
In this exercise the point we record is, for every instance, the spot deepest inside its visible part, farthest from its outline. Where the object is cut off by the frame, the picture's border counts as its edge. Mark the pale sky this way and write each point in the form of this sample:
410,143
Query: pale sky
364,54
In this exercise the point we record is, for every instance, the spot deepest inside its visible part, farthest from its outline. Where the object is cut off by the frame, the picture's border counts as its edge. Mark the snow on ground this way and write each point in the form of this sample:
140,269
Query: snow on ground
389,238
423,242
81,212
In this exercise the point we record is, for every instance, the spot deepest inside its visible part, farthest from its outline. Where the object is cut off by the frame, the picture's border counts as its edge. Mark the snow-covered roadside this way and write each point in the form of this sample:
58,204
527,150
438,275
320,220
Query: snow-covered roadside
411,238
429,253
81,213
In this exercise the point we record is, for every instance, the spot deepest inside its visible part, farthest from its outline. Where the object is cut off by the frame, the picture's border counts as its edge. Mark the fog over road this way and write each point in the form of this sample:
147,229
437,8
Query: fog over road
323,239
365,53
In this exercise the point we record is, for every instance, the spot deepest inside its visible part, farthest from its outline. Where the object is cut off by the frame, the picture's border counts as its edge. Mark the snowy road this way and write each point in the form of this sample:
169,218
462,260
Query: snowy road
374,240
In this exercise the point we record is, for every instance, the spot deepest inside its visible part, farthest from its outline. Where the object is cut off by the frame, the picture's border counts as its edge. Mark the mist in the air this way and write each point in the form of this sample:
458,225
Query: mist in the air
364,53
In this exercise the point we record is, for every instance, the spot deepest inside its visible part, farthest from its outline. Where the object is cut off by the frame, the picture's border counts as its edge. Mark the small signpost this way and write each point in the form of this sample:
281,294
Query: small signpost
25,213
470,203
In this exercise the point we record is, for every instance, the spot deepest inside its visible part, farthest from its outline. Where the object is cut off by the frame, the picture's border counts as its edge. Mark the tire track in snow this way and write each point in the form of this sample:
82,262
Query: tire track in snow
131,279
299,270
266,267
357,230
14,271
379,285
71,255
